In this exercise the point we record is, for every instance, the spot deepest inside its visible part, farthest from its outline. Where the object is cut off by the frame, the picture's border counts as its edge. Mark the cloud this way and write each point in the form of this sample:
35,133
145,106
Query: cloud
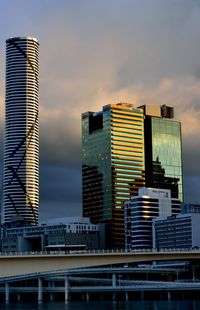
61,182
60,193
93,53
191,189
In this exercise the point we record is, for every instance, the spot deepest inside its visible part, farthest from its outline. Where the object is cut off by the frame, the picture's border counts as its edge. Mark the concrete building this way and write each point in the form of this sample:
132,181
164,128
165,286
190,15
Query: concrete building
56,234
190,208
180,231
123,149
21,144
141,210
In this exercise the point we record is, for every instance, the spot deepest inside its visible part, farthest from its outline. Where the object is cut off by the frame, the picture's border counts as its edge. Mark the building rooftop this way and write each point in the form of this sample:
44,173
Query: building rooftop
22,38
68,220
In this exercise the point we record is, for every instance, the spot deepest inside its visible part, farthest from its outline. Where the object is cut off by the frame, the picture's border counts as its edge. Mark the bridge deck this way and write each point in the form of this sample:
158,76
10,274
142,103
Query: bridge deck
16,265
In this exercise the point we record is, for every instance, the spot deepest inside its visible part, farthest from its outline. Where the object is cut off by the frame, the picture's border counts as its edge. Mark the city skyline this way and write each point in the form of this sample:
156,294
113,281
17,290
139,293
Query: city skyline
142,53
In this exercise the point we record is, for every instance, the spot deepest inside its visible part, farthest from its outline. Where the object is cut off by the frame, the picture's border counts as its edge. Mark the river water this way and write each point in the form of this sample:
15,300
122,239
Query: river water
131,305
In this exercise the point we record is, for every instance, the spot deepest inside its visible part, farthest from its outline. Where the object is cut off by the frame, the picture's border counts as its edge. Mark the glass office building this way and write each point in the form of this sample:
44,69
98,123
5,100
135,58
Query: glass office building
113,165
124,149
163,152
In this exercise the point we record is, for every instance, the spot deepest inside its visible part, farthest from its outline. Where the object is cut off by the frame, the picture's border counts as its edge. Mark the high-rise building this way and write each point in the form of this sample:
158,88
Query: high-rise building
124,149
21,144
113,165
163,150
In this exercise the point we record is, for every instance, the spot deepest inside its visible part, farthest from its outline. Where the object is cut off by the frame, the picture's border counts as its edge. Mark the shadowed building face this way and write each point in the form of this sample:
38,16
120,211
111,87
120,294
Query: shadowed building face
21,147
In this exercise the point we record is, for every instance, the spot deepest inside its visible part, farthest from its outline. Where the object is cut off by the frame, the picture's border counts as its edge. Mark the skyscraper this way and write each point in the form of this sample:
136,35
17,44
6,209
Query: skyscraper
21,144
113,165
163,150
124,149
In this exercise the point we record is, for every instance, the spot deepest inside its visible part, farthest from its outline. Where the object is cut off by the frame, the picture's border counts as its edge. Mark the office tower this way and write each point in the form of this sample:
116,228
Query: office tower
139,212
124,149
113,165
163,150
21,144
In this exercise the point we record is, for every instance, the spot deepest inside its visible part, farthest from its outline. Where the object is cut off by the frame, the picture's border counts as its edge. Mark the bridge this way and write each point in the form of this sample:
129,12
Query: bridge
38,263
83,267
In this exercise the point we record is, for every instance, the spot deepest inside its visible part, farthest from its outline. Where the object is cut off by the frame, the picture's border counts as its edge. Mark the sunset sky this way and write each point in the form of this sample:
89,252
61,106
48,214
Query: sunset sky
96,52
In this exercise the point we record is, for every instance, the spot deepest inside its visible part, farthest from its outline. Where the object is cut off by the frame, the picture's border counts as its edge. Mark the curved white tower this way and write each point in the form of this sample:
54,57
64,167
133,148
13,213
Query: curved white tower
21,144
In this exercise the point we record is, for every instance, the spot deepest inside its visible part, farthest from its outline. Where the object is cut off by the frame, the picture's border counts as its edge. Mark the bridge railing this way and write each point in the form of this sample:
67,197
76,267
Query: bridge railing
106,251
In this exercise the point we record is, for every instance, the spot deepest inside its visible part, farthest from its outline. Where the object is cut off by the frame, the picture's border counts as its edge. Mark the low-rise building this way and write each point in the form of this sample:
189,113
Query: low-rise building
61,233
139,212
180,231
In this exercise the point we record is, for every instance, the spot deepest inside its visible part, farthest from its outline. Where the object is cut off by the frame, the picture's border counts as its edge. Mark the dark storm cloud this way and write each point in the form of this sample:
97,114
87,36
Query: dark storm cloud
94,53
57,209
125,54
60,191
59,144
61,182
191,189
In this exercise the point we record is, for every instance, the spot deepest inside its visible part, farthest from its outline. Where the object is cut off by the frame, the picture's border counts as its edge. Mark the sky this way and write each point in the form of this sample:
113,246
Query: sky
97,52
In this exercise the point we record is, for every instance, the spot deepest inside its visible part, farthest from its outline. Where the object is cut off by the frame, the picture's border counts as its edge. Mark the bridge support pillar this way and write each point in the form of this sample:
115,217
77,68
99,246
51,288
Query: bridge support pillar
7,292
168,295
40,290
66,289
126,296
51,297
114,296
142,295
18,297
51,294
114,280
193,273
114,284
87,296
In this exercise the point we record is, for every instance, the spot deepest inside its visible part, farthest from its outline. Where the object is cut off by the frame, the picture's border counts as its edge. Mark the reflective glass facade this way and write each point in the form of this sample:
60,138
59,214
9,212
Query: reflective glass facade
164,155
113,164
124,149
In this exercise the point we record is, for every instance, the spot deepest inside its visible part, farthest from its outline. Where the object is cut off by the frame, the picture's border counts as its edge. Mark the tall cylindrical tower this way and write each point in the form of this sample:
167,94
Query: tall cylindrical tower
21,144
